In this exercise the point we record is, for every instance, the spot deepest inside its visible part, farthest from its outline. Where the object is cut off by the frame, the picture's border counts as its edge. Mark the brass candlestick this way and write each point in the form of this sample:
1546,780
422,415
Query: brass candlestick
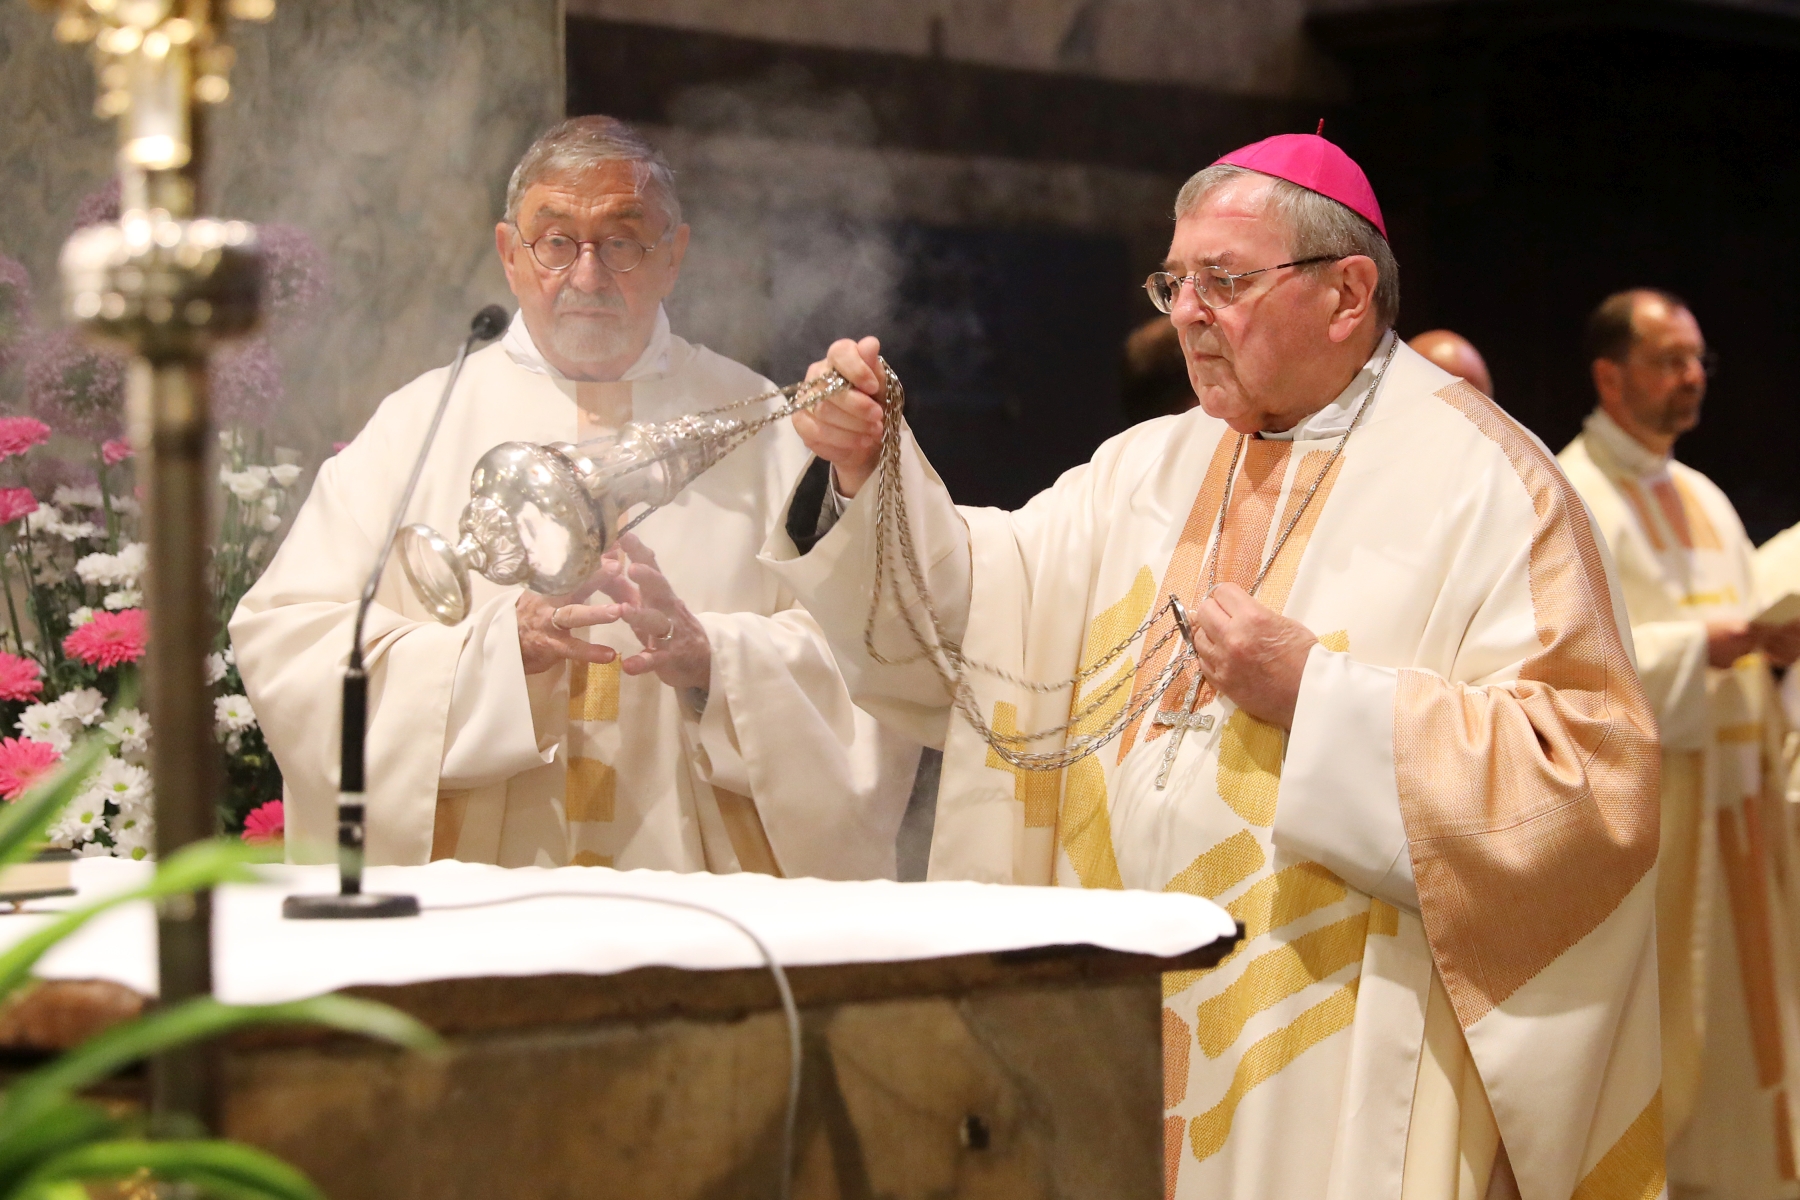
168,286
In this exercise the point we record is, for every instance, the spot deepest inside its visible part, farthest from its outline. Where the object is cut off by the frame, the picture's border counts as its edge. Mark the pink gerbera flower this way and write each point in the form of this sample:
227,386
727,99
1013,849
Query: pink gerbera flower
109,639
22,763
115,451
16,503
20,678
265,823
19,434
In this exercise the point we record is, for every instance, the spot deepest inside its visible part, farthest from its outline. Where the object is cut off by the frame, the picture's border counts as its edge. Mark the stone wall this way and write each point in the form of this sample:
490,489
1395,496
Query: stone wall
384,132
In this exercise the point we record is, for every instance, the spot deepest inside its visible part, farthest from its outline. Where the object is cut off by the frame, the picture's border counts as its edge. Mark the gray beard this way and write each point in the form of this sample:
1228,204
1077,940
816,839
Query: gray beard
589,341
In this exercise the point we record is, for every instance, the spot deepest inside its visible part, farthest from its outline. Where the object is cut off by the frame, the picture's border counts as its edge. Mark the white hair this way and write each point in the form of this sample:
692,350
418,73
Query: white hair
1317,226
581,144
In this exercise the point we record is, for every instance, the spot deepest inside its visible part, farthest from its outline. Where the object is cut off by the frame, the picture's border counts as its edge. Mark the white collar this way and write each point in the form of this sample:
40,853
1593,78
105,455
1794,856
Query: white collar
1335,418
1625,451
652,362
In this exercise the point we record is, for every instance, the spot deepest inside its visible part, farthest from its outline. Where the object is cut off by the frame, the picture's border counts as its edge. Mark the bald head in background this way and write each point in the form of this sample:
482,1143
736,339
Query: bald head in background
1454,353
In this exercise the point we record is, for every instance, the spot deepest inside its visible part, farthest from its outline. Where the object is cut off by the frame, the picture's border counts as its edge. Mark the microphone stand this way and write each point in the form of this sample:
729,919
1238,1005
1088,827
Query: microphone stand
351,902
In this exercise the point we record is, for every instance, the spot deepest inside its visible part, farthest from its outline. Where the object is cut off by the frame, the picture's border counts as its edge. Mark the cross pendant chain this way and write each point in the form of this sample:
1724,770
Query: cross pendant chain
1180,721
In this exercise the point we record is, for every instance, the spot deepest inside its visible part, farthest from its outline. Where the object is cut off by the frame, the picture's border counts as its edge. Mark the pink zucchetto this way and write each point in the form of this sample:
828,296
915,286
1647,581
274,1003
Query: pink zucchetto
1316,165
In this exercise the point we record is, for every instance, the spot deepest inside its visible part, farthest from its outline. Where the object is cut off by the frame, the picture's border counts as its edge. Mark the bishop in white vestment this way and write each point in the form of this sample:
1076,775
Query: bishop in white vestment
699,725
1725,911
1418,765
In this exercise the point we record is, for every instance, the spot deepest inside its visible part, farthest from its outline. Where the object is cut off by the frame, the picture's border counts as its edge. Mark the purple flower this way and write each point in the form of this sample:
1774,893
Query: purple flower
295,275
77,387
99,206
15,307
246,383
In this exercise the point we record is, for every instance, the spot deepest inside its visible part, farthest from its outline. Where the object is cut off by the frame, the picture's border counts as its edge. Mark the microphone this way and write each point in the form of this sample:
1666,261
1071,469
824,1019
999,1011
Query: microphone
351,901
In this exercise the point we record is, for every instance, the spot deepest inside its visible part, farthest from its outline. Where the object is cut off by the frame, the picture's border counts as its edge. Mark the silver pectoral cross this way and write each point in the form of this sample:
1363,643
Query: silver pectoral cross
1180,720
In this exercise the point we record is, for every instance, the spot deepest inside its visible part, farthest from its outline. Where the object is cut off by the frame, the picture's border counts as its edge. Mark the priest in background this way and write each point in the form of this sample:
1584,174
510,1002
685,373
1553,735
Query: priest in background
1457,355
1416,764
1726,948
684,716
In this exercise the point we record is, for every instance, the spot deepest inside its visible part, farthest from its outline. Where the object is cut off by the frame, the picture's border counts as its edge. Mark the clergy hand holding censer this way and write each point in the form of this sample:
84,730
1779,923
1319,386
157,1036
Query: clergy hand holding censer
544,516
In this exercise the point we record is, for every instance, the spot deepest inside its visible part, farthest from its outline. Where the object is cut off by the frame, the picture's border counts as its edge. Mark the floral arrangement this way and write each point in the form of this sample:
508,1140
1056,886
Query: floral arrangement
72,626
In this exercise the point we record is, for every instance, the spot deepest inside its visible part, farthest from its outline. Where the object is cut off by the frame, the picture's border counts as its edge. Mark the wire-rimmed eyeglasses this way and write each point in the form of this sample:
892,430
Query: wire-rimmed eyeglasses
559,252
1215,286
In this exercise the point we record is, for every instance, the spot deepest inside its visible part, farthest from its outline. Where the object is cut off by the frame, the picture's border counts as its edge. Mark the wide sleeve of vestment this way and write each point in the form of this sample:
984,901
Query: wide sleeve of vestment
830,783
836,579
449,706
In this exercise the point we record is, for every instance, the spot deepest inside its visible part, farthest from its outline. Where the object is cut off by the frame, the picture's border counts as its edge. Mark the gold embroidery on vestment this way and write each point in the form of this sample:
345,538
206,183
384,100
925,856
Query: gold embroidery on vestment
1384,919
1705,536
1746,868
1036,790
1178,1040
1633,1169
1337,641
1274,976
588,858
1268,1057
594,691
1221,868
1635,497
1250,767
590,790
1669,501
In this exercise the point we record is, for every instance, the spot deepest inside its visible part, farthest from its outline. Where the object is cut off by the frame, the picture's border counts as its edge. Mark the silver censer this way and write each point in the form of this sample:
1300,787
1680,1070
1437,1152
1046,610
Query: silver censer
542,516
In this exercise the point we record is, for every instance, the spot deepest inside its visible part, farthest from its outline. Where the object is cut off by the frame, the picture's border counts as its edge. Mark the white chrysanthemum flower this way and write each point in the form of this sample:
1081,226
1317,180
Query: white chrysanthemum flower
46,723
74,531
98,570
93,850
124,598
270,522
233,714
79,822
133,557
80,617
245,485
130,728
127,785
85,705
127,505
231,656
87,496
133,835
41,518
284,474
215,668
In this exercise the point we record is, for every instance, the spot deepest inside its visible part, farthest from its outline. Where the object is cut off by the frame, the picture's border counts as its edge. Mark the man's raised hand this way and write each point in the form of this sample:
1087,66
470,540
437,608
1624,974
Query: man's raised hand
676,647
1253,654
543,643
845,429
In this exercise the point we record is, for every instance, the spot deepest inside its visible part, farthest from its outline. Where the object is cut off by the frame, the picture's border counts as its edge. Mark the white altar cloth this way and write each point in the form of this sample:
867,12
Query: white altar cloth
260,958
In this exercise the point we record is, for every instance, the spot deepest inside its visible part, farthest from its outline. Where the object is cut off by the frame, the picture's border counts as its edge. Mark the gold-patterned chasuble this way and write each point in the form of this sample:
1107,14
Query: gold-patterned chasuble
1240,1025
591,782
591,779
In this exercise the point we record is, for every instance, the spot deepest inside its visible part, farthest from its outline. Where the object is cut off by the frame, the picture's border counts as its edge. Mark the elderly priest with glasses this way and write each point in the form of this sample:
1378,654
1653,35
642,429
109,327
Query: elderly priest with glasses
678,711
1415,761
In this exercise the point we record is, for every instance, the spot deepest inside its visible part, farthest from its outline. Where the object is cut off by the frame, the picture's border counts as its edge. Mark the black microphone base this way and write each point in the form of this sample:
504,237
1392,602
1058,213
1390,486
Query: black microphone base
356,906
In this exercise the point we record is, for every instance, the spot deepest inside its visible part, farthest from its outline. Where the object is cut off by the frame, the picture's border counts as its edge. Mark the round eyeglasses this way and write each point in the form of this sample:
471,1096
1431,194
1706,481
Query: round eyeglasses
558,252
1215,286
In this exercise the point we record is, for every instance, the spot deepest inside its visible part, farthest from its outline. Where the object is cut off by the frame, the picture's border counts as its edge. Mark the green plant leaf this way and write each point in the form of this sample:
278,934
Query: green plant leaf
193,867
194,1020
222,1168
56,1129
24,821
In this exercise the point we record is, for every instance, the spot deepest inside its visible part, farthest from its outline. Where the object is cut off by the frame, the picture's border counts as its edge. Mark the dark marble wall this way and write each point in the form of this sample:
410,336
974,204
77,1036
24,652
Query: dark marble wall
381,131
